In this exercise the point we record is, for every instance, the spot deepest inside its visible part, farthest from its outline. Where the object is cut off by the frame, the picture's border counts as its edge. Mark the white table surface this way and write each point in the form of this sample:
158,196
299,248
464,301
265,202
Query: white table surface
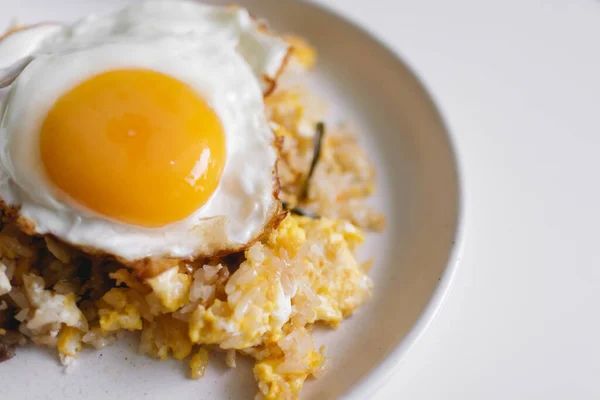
518,82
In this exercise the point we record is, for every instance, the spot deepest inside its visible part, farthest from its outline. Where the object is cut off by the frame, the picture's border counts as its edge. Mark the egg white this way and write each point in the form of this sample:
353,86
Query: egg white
212,65
231,27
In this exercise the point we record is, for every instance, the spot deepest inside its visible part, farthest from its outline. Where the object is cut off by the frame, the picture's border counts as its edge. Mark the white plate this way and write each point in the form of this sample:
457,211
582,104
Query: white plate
418,190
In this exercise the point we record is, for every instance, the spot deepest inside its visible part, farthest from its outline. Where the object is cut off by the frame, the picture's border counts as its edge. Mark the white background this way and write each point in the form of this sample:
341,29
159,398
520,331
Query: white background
518,83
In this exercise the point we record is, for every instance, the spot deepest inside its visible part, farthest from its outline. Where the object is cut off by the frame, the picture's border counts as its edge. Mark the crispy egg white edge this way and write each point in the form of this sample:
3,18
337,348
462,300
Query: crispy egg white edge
71,224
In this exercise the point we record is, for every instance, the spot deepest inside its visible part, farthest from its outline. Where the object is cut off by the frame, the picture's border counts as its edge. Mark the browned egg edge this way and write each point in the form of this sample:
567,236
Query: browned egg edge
149,266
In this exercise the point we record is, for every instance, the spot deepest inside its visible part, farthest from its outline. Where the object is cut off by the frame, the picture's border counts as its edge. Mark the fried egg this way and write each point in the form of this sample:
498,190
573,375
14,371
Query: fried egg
142,134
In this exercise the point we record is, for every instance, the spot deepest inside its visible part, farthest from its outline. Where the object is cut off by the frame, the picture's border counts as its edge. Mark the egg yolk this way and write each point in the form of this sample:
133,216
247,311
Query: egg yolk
136,146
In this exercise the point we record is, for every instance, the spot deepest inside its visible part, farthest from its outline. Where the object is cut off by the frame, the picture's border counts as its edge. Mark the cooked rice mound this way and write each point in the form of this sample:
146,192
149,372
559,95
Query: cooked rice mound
343,179
261,303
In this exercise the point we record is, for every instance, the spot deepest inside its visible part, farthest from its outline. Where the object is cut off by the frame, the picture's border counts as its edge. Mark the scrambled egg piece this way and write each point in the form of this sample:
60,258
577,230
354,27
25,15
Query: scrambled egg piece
281,376
117,312
171,287
330,283
338,280
289,236
69,341
198,363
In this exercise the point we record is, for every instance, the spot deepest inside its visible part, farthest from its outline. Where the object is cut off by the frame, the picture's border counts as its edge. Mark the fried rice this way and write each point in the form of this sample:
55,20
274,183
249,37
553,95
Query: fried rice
261,303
